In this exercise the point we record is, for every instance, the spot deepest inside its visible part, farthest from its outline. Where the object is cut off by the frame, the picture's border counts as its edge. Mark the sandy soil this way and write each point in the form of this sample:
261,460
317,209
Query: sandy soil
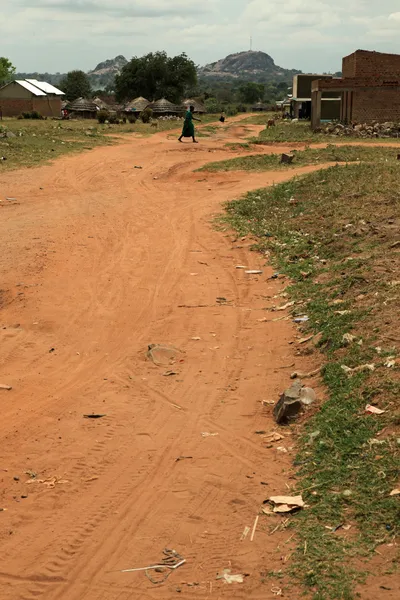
100,259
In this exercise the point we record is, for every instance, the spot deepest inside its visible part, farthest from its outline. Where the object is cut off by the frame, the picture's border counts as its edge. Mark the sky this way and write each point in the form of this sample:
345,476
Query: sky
310,35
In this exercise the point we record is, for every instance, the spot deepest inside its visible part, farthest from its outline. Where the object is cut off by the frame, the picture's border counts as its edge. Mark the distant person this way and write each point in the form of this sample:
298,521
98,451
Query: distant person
188,127
222,118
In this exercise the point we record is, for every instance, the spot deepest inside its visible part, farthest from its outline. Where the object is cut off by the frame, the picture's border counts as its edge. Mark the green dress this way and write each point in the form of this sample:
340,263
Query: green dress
188,127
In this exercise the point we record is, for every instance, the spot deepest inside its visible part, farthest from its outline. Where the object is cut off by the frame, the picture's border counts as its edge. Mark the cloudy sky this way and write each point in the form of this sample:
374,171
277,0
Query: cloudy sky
311,35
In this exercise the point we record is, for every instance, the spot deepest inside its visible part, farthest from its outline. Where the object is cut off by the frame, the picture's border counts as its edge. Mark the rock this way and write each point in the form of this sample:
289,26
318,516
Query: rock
5,387
289,405
287,159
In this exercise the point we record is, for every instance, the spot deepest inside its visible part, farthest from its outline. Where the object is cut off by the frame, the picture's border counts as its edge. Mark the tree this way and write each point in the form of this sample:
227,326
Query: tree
7,70
156,75
251,92
75,85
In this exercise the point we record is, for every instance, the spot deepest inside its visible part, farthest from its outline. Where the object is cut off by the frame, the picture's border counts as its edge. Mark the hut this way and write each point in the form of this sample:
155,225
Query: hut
164,108
101,105
82,109
199,108
137,105
259,107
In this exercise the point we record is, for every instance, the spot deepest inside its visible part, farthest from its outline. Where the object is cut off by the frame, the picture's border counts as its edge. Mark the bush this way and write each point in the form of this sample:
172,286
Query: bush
231,111
242,108
132,119
102,116
33,114
113,119
146,115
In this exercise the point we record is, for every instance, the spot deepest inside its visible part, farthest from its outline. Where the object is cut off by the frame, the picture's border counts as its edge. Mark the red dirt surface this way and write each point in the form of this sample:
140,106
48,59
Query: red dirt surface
100,259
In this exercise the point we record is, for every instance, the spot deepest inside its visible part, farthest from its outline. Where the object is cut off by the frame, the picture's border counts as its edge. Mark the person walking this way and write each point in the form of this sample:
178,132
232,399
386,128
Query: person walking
188,126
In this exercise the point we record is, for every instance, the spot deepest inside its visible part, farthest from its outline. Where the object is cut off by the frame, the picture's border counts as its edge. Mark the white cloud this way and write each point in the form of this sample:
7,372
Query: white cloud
57,35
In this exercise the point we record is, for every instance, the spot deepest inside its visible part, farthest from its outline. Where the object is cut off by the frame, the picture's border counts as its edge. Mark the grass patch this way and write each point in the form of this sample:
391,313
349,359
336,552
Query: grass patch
286,131
260,119
309,156
334,233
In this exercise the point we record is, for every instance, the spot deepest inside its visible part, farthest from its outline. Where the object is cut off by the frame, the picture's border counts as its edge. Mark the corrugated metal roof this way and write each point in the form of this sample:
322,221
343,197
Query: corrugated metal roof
31,88
46,87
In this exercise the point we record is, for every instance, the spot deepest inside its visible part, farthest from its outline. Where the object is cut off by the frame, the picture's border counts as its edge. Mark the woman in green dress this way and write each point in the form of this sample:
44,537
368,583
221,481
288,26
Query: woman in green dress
188,127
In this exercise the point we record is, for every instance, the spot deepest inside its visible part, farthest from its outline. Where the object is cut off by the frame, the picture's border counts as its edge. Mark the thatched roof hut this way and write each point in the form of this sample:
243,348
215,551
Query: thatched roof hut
137,105
83,108
101,105
164,107
198,106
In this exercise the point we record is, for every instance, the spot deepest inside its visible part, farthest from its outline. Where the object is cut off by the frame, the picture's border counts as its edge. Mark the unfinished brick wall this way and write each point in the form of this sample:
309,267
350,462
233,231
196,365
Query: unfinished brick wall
47,107
376,105
372,65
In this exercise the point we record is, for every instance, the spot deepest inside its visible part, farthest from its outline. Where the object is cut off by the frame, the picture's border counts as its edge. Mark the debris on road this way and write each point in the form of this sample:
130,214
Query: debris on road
292,402
285,504
273,437
302,319
137,167
5,387
373,410
171,561
227,576
254,272
170,373
206,434
182,458
162,354
285,306
245,533
254,528
287,159
301,375
51,482
241,267
94,416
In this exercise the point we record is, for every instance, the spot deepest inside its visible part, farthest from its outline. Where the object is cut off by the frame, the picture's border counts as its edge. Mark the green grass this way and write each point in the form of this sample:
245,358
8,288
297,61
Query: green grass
309,156
312,226
286,131
38,142
259,119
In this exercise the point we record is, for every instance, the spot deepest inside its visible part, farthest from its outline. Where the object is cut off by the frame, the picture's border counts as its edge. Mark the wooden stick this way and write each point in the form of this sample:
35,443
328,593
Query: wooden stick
254,528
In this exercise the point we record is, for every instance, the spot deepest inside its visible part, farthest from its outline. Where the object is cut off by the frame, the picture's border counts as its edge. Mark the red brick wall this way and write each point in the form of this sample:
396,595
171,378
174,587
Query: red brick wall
376,105
47,107
372,64
12,107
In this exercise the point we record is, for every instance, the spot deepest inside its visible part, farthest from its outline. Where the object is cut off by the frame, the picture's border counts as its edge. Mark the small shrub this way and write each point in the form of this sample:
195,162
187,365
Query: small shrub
113,120
242,108
124,120
20,117
102,116
146,115
132,119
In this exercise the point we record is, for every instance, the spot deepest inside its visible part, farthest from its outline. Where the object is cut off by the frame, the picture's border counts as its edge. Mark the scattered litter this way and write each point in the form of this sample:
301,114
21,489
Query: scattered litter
373,410
346,527
245,533
273,437
307,396
196,339
305,339
263,320
162,354
229,578
11,199
282,449
31,474
5,387
268,402
390,362
221,300
292,402
378,350
313,436
170,373
171,561
360,369
182,458
254,528
254,272
301,375
285,306
348,339
302,319
395,492
51,482
285,504
94,416
137,167
206,434
276,591
241,267
275,276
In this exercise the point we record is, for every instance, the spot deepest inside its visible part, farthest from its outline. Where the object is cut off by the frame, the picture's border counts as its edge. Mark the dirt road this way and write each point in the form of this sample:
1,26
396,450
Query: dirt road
100,259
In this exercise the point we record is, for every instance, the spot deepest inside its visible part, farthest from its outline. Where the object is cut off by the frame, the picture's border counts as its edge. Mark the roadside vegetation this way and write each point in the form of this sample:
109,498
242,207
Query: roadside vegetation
336,235
38,141
302,158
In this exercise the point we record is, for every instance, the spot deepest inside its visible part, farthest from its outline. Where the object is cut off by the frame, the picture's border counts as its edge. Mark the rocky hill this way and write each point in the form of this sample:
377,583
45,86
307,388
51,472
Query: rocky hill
248,66
111,66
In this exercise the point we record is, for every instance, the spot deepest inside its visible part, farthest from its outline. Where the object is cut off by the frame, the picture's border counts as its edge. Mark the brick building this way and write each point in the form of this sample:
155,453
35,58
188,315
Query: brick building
27,95
301,99
369,89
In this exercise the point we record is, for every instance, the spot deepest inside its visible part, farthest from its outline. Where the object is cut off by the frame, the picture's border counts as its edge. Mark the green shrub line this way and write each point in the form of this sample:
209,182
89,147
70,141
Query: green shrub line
316,229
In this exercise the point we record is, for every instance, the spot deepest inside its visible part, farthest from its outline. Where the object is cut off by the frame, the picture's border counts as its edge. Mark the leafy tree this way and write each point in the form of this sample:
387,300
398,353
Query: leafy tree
7,69
251,92
75,85
156,75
